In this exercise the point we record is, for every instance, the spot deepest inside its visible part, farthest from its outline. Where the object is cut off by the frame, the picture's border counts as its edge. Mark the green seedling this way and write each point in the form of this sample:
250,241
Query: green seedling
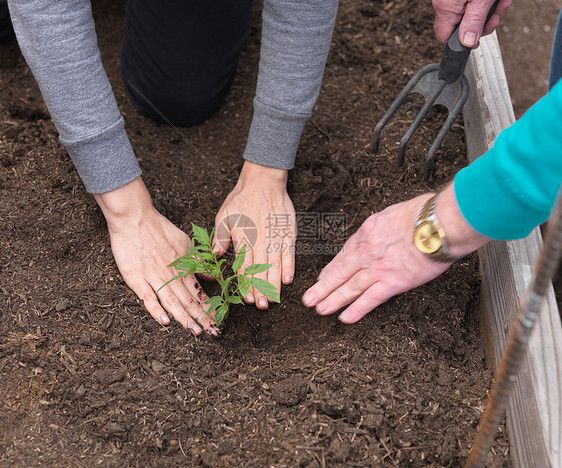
201,258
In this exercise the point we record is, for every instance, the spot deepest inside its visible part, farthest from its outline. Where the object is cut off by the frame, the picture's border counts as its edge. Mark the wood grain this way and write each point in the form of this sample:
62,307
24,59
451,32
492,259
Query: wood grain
534,411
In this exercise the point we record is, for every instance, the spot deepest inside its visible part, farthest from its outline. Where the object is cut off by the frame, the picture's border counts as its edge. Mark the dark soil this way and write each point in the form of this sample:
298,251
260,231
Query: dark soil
89,378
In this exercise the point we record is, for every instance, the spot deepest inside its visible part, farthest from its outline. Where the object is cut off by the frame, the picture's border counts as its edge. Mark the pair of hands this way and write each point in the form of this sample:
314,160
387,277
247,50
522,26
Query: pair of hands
144,242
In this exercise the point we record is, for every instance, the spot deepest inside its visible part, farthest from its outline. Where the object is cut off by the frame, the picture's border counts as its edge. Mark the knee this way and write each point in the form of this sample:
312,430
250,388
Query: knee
178,100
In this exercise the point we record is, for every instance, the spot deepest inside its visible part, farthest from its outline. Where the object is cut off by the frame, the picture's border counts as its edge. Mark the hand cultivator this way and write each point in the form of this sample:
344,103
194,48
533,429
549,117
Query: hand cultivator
440,84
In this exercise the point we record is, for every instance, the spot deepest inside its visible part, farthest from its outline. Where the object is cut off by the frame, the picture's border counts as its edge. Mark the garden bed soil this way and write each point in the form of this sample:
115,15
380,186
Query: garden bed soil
89,378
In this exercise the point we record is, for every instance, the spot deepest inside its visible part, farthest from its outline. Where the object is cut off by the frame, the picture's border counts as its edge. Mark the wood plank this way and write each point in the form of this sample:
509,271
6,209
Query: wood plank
534,411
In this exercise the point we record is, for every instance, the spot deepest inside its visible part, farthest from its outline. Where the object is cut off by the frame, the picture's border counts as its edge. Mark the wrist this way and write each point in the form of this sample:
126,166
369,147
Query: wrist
128,203
263,176
462,239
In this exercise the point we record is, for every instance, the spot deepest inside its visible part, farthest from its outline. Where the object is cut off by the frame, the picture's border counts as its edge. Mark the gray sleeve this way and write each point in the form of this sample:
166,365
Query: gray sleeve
59,43
296,38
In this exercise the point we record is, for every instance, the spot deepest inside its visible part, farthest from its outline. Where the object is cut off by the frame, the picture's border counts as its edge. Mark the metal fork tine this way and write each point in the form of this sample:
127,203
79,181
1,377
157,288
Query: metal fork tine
418,120
453,113
397,103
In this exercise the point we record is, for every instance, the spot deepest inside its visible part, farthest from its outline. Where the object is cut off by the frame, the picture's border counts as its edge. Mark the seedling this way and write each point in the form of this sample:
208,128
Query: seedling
202,259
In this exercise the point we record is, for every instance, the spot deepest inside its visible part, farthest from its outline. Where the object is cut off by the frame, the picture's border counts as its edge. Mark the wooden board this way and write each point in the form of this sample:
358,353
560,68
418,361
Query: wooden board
534,412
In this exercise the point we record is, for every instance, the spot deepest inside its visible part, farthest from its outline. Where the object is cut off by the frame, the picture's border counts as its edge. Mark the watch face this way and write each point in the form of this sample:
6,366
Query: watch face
428,238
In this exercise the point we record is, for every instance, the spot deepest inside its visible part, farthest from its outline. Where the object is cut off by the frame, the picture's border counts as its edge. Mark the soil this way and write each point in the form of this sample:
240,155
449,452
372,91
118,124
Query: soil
89,378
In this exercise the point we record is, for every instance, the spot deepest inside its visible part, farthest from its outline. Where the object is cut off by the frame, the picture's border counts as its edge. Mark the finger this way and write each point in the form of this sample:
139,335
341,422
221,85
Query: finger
221,239
199,309
447,15
172,303
288,259
273,274
473,21
259,252
147,295
335,274
238,240
371,298
346,293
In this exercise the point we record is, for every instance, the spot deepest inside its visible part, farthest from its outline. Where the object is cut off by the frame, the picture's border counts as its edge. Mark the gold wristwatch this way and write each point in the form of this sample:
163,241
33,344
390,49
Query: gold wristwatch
429,236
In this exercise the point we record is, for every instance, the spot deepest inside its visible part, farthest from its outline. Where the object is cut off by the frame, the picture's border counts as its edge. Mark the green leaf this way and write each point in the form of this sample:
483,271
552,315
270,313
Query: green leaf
189,264
224,285
202,255
257,268
221,314
243,285
266,288
235,300
200,235
215,302
177,261
237,264
179,275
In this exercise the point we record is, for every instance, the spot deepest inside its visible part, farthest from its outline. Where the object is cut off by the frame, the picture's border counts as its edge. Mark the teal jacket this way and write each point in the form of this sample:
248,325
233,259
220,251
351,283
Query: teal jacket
512,188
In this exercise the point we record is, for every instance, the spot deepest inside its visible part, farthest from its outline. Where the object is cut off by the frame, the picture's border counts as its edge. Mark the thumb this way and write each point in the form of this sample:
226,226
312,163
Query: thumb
221,238
473,22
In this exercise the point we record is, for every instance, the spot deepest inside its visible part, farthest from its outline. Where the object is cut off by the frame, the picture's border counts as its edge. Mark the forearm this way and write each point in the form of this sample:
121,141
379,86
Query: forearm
512,188
296,39
59,43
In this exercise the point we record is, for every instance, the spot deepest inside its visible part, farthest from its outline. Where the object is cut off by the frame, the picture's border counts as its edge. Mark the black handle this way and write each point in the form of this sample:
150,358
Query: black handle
456,54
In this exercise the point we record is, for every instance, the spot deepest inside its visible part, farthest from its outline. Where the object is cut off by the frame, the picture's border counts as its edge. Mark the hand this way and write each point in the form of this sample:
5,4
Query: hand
448,14
380,260
143,243
260,214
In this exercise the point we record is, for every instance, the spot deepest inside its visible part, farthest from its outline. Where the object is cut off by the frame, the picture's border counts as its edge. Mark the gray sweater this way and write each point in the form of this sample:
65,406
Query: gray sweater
58,41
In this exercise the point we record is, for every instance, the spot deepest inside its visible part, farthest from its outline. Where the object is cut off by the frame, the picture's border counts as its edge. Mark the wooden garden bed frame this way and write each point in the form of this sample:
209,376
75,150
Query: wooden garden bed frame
534,412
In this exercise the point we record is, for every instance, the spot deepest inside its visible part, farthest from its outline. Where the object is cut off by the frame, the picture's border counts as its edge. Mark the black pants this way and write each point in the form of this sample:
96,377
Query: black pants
179,57
6,30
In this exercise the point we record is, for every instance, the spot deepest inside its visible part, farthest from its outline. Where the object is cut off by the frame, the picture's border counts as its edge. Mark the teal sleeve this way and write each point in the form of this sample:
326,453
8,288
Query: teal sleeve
512,188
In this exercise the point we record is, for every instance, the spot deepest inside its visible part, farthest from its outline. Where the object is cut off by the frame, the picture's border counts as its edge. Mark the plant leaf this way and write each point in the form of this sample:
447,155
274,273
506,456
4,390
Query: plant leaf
235,300
257,268
221,314
266,288
224,285
189,264
237,264
200,235
215,302
179,260
179,275
204,255
243,285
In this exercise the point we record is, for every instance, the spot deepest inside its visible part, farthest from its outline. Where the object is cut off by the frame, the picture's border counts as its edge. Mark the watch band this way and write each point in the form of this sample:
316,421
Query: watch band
427,214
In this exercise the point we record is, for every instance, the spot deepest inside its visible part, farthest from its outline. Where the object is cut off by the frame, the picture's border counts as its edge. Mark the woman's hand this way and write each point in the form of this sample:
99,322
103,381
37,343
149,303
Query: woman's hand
143,243
260,214
380,260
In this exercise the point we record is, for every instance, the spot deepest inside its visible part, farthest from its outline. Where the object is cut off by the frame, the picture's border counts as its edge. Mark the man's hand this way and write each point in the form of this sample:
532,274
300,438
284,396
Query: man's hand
473,13
380,260
143,243
260,214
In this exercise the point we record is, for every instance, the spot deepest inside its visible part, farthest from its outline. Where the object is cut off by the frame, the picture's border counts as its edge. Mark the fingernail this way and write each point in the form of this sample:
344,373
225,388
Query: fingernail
165,319
288,279
195,328
321,308
250,298
469,38
263,302
308,299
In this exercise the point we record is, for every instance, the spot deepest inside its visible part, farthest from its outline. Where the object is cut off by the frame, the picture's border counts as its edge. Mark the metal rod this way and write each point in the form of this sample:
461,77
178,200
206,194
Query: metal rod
529,309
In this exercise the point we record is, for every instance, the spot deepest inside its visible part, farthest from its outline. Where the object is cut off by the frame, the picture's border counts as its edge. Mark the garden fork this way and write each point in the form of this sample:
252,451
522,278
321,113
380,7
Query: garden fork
440,84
